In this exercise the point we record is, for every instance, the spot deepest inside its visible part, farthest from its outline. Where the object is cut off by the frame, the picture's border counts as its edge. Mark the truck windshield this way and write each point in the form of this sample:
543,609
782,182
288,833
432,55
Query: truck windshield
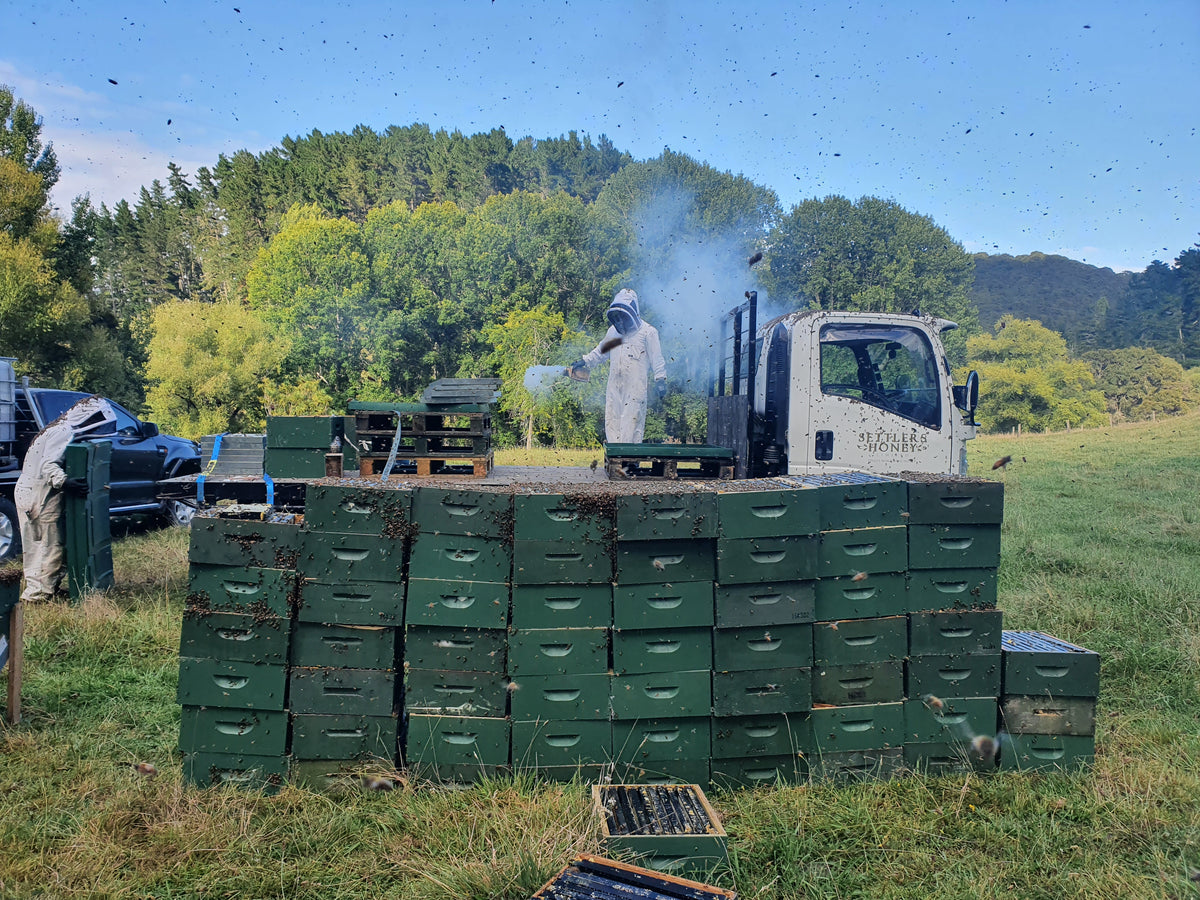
892,368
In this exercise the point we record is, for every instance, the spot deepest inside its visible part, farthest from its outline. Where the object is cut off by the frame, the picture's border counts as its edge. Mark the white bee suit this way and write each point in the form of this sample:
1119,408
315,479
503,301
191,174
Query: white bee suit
631,362
38,494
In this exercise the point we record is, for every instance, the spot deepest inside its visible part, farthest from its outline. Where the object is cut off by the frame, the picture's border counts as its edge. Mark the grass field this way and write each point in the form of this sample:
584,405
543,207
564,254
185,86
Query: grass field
1101,547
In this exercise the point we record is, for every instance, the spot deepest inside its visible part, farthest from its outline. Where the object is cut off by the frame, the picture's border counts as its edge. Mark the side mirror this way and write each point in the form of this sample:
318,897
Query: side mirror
966,396
149,429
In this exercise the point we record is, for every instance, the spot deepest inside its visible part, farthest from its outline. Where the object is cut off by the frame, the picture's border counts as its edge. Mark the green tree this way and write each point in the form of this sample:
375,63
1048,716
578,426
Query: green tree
1139,383
212,367
871,255
527,338
1028,379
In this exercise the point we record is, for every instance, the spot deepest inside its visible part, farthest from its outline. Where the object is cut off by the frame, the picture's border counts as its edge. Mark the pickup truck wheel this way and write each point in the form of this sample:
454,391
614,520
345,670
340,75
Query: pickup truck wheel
178,513
10,531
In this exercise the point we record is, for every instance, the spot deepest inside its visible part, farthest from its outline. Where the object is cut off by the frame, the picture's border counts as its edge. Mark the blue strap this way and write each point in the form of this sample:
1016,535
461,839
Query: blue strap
270,489
212,464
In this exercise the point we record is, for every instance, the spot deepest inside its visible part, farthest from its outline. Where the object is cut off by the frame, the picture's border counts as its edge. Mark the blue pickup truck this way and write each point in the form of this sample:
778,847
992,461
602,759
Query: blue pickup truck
141,456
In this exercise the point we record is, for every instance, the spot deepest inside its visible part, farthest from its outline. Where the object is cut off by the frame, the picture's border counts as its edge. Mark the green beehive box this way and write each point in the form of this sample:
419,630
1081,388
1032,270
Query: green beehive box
238,731
378,511
1043,752
852,641
558,651
877,764
863,727
234,589
341,777
955,631
235,636
871,597
947,758
464,604
565,517
935,721
476,513
953,546
772,647
663,841
766,560
847,685
584,773
231,684
302,432
749,514
663,771
330,557
649,742
662,562
562,562
870,504
343,646
87,535
256,773
869,550
959,502
937,589
454,557
678,516
344,736
361,603
561,697
1049,715
443,647
459,693
560,743
1037,664
954,675
762,691
456,773
367,692
759,771
769,603
562,606
294,463
662,695
438,741
661,650
775,734
685,605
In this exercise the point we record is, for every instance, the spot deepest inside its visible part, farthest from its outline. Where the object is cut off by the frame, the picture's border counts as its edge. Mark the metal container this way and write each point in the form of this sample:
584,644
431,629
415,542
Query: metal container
938,589
1049,715
562,606
456,693
874,504
235,636
865,597
764,735
330,557
437,741
231,684
748,514
343,646
954,675
560,743
955,631
255,592
564,517
469,649
877,764
759,771
344,736
367,692
308,432
453,557
953,546
562,562
237,731
679,516
260,773
955,502
1047,752
937,720
466,512
661,562
648,741
381,512
1036,664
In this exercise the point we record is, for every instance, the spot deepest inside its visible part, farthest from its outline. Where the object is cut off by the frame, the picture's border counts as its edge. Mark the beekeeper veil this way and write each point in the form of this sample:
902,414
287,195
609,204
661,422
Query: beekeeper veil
623,312
89,416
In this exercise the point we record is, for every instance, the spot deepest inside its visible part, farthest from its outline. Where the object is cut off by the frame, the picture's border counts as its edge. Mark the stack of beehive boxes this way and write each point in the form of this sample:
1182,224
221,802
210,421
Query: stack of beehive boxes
296,445
562,608
456,638
234,649
764,604
1048,703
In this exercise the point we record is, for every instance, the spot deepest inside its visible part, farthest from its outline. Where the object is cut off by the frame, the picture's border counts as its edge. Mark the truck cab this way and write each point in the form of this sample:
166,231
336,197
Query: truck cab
847,391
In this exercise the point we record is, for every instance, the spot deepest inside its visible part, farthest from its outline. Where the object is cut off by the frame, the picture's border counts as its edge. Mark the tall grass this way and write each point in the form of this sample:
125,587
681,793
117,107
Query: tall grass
1101,546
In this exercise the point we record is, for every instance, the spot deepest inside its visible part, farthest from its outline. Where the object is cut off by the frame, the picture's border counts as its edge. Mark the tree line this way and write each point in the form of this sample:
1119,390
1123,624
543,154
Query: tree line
364,265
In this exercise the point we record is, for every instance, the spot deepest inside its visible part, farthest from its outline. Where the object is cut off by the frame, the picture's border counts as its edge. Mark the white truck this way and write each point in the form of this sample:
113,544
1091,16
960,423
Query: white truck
840,392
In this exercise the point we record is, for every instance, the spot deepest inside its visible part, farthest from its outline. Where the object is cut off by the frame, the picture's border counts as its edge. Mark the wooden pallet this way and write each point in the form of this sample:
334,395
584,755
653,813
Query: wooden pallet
668,468
427,466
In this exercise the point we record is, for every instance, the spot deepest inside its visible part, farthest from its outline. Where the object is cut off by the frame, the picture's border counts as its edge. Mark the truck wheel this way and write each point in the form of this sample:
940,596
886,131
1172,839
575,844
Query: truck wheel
178,513
10,531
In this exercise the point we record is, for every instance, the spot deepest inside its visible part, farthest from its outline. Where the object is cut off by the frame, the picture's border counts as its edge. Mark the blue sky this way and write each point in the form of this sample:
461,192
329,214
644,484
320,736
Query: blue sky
1061,127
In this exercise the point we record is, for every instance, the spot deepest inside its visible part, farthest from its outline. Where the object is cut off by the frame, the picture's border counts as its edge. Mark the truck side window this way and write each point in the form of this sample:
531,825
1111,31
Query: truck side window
892,368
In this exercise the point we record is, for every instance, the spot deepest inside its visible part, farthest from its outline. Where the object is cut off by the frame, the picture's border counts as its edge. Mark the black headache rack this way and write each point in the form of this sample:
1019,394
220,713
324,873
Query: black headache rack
757,440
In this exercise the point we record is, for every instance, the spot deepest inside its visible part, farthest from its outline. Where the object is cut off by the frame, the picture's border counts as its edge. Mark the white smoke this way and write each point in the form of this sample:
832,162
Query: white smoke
540,379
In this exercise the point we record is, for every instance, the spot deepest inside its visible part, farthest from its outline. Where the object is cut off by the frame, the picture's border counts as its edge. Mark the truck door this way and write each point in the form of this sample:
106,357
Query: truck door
878,399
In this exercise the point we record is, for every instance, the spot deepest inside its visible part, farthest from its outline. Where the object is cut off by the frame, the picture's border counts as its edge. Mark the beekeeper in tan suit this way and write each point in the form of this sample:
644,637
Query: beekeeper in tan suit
39,493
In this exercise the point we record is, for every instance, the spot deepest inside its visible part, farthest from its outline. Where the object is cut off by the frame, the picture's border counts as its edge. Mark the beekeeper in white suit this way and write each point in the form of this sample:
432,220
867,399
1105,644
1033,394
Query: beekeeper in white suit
39,493
634,351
